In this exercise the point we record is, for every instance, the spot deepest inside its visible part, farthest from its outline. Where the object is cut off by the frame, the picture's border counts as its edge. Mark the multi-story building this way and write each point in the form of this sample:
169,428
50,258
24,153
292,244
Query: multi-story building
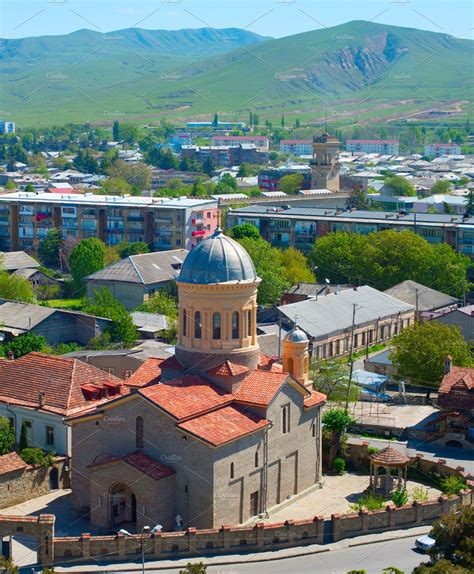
260,142
226,155
387,147
269,179
439,149
300,227
25,219
297,147
220,125
7,127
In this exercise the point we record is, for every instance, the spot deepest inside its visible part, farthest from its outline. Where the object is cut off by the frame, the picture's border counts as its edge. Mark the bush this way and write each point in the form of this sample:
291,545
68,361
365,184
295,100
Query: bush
400,497
37,456
339,465
452,484
369,502
372,450
419,494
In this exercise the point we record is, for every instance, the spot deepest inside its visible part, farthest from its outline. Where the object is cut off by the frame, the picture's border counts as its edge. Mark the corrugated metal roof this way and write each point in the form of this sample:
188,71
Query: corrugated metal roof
22,315
332,313
17,260
428,299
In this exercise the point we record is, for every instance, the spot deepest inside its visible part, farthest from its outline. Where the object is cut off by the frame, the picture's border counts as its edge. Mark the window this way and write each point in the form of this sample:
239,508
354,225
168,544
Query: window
49,435
249,322
111,371
216,326
185,321
232,470
285,419
178,242
11,422
313,429
256,460
139,432
235,325
197,325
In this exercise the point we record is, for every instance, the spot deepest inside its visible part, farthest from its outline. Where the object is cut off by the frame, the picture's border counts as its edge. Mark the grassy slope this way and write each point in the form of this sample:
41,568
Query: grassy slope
301,75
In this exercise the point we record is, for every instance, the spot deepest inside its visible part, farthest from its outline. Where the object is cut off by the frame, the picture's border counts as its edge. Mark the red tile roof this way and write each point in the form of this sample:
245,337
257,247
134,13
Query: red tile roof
172,363
457,389
142,462
11,462
223,425
228,369
260,387
148,372
457,374
187,396
315,398
68,384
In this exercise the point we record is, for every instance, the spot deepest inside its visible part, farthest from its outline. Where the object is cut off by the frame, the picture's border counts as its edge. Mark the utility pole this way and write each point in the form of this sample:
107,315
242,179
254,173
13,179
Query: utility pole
416,304
351,359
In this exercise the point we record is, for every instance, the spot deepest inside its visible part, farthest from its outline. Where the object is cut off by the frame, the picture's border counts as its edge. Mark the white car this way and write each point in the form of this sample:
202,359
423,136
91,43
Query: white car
425,543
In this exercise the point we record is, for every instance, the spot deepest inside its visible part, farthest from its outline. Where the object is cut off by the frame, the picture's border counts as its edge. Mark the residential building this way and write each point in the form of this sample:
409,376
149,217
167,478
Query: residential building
217,433
7,127
325,165
219,126
424,299
260,142
12,261
44,285
226,155
388,147
269,178
442,204
25,219
134,279
329,320
39,391
439,149
296,147
463,319
300,227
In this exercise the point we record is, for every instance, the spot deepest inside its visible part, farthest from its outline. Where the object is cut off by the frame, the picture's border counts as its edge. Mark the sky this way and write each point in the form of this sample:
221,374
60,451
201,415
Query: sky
277,18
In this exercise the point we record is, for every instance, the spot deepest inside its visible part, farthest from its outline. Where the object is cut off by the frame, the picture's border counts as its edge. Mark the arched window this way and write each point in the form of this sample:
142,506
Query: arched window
185,322
256,459
139,435
216,326
235,325
249,323
197,325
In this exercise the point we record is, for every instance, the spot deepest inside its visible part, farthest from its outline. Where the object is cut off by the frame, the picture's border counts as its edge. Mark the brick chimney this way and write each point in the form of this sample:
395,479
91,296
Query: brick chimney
448,364
41,399
11,356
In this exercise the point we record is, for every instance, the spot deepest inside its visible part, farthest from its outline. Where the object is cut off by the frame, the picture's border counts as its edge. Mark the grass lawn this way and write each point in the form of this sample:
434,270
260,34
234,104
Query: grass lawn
72,304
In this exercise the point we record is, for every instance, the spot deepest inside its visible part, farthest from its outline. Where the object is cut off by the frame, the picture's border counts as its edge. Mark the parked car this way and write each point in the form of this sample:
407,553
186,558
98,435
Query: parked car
425,543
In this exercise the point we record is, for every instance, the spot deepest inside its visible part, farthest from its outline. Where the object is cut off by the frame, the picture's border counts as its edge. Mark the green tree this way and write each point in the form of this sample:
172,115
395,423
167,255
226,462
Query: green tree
226,184
86,258
453,552
86,162
292,183
23,436
7,566
419,352
123,330
215,121
400,186
115,186
7,436
357,199
127,249
336,421
196,568
332,378
29,188
296,268
129,133
244,230
24,344
16,288
116,131
160,302
470,203
244,170
441,187
208,166
137,175
50,247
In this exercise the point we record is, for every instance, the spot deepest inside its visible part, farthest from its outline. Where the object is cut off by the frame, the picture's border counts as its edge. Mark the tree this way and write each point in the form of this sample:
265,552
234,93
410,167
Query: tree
50,247
86,258
226,184
256,120
332,378
296,268
86,162
24,344
116,186
291,183
7,436
105,305
127,249
137,175
208,166
441,187
470,203
357,199
453,552
215,121
196,568
419,352
244,230
23,436
7,566
116,131
244,170
282,120
29,188
129,133
336,421
400,186
16,288
297,123
160,302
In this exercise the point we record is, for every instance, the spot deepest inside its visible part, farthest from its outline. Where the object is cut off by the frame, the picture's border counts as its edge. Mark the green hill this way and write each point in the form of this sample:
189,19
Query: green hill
359,68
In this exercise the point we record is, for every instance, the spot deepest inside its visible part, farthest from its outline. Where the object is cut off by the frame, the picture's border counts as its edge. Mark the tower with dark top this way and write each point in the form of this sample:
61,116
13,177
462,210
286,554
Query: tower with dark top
325,164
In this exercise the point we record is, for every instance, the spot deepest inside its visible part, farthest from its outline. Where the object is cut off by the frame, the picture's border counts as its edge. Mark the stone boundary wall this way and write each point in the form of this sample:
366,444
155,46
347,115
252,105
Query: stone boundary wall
39,527
24,484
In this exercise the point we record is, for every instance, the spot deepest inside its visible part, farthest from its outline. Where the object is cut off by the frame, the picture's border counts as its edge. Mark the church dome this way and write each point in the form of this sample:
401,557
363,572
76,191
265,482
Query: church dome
296,336
217,259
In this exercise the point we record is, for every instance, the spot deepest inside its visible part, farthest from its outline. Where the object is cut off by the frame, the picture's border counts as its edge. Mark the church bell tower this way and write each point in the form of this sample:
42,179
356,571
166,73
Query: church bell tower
325,164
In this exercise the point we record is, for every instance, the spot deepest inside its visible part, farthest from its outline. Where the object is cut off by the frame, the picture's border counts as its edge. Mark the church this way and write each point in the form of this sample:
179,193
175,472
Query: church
219,432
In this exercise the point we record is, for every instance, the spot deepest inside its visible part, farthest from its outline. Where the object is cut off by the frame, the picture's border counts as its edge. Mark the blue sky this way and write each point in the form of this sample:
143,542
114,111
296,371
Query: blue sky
21,18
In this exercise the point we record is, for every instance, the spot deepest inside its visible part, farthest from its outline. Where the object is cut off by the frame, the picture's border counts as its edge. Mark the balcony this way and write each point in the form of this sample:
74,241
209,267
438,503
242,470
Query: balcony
197,221
69,223
198,233
135,218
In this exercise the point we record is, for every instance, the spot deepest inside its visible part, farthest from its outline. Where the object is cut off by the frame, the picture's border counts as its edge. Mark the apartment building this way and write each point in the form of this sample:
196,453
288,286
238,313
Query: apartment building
300,227
297,147
226,155
387,147
439,149
7,127
269,179
25,219
260,142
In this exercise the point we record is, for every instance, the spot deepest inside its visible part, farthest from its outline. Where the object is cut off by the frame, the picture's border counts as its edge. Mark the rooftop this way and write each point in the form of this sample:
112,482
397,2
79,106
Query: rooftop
428,299
141,462
11,462
390,457
13,260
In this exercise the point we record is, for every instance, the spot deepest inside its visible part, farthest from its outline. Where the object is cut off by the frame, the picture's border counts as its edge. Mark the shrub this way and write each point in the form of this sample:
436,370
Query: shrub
452,484
37,456
400,497
419,494
369,502
372,450
339,465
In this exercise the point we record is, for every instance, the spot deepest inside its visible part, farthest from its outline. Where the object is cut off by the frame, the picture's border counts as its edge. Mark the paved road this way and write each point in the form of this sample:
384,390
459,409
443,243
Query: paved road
371,557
